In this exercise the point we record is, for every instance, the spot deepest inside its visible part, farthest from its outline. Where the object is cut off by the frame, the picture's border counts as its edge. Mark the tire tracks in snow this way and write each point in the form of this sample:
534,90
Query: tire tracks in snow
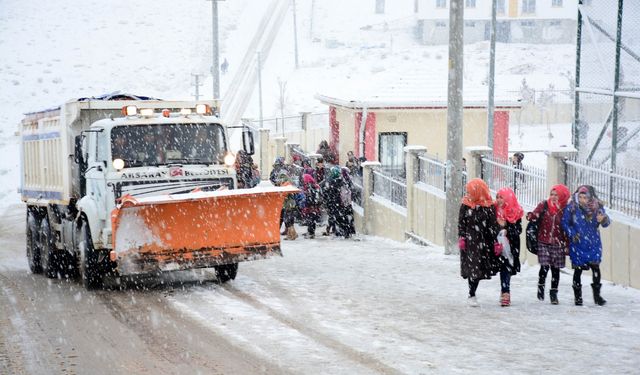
184,344
25,320
303,328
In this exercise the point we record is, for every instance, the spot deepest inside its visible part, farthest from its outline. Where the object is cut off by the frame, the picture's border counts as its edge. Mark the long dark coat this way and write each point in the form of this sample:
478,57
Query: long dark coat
479,227
513,235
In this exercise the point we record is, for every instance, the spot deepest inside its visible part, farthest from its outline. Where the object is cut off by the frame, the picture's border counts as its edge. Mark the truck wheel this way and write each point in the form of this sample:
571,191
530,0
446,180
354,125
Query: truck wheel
89,268
33,252
48,254
226,272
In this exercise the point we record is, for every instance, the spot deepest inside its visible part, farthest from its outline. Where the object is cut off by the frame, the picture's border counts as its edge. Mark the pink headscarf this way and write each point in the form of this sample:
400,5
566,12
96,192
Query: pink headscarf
510,210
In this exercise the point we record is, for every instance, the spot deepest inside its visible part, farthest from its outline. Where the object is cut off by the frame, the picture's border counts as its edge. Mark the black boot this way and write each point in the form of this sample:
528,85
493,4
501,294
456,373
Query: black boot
596,295
553,296
541,292
577,293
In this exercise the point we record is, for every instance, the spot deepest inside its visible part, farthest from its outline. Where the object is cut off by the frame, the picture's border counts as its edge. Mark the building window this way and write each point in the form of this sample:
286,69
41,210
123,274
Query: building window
470,23
441,24
556,3
441,3
391,152
500,7
528,6
470,3
527,23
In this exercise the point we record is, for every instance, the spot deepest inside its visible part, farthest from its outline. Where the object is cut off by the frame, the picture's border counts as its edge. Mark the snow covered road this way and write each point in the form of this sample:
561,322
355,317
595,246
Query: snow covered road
328,306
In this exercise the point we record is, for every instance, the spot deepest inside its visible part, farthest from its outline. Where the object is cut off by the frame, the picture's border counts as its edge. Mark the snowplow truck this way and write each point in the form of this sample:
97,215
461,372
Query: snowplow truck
126,185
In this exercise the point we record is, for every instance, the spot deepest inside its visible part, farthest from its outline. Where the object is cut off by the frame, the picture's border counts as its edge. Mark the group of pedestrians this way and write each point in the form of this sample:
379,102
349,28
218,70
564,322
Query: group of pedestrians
489,238
322,191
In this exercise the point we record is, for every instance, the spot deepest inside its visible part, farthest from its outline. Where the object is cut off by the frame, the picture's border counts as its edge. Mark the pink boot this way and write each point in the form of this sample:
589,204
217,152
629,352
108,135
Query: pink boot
505,299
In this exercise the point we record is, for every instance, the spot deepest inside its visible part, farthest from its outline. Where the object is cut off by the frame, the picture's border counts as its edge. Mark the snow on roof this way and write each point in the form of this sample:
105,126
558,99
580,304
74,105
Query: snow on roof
416,90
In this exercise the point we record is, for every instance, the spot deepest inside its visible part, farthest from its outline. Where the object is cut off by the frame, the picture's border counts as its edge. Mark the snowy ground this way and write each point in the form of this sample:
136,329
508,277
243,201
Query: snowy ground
347,307
332,306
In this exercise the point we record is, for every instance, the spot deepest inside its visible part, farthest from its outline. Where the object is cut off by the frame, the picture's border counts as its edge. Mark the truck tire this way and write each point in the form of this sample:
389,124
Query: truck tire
89,268
226,272
33,252
48,253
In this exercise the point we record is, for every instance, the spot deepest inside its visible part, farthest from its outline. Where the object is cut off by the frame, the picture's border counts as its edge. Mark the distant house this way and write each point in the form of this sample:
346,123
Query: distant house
518,21
394,121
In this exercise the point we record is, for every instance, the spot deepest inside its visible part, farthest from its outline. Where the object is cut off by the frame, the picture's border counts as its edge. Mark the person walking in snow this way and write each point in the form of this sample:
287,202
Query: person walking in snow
311,209
337,197
581,221
290,208
509,217
552,241
244,170
477,237
278,168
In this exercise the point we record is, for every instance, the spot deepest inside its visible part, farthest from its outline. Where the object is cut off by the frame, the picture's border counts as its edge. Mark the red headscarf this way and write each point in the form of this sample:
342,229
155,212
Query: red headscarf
510,210
563,199
477,194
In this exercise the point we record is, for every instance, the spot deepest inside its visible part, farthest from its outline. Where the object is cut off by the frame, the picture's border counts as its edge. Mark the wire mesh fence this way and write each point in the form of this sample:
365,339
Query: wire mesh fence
620,191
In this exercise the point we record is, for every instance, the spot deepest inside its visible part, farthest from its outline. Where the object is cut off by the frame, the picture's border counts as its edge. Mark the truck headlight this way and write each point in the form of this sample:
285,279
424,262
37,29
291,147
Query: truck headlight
118,164
229,159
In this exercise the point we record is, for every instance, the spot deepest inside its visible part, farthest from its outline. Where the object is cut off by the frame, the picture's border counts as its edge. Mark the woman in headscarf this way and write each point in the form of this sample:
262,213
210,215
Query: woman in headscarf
552,242
509,218
581,221
477,233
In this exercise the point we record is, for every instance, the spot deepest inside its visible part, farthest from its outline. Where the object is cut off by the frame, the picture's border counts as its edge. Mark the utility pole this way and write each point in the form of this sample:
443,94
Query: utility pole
215,67
260,89
492,74
454,125
197,84
295,33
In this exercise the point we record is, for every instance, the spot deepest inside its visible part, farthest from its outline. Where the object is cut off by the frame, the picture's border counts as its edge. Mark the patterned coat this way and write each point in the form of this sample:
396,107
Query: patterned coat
479,227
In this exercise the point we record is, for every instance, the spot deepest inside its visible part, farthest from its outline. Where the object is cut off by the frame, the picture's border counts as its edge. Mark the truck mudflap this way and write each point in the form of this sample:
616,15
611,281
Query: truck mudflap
196,230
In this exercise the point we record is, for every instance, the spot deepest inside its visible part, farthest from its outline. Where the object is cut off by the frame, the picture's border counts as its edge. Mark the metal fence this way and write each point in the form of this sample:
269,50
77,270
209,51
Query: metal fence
529,183
433,172
620,190
390,188
287,124
358,190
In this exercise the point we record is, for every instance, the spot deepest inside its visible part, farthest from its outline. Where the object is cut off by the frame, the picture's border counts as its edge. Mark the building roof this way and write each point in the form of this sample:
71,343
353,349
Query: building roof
413,92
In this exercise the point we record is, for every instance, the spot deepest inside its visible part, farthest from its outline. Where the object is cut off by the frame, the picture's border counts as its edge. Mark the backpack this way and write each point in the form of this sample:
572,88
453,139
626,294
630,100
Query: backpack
533,227
345,195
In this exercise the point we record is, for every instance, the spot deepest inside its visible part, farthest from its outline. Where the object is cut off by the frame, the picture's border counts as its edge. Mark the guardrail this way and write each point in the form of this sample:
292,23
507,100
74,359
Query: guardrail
529,183
390,188
619,190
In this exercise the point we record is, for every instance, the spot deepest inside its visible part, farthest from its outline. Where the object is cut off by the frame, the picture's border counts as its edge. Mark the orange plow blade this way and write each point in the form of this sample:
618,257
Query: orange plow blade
196,230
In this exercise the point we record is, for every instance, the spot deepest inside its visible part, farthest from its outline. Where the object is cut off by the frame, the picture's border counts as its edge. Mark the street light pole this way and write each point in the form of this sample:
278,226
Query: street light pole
454,125
295,33
215,68
492,73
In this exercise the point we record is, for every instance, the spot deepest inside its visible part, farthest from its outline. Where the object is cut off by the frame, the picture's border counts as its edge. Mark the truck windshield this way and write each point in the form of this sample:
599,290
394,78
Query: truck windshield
152,145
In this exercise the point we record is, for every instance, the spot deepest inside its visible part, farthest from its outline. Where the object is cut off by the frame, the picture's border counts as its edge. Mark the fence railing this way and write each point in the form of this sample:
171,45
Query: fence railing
390,188
619,190
529,183
287,124
358,189
433,172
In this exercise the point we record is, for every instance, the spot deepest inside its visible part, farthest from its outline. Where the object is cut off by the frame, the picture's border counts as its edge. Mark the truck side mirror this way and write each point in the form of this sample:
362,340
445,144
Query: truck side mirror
247,141
78,158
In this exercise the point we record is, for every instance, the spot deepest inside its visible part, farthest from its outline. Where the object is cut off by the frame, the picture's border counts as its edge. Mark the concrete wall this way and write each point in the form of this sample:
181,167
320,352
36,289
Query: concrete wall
386,221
